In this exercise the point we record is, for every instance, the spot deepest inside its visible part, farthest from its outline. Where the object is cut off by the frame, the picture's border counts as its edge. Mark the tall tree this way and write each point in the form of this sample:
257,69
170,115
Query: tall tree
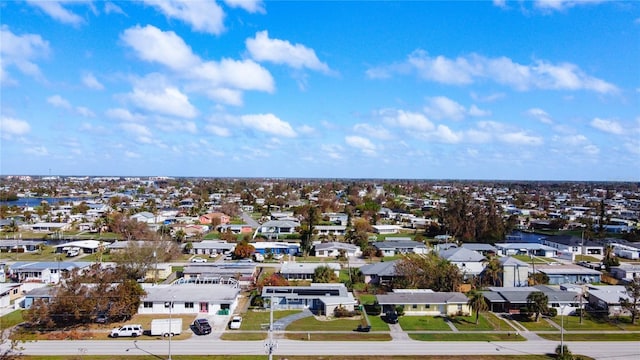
427,272
537,302
492,271
632,302
477,303
324,274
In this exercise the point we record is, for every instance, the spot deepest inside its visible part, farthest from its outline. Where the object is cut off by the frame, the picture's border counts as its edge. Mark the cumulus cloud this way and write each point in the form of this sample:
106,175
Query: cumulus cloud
84,111
559,5
13,127
268,123
218,130
91,82
136,129
333,151
175,125
609,126
123,114
477,112
410,121
155,95
363,144
19,51
298,56
221,81
111,8
468,69
57,11
377,132
250,6
441,107
59,102
521,138
540,115
203,15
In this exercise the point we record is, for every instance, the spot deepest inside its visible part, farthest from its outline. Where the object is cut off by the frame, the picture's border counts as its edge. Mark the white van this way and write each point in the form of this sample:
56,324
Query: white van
132,330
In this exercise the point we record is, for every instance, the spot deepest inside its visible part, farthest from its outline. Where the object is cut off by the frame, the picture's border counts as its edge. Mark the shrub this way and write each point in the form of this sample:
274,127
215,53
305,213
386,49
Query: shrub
341,312
400,310
552,312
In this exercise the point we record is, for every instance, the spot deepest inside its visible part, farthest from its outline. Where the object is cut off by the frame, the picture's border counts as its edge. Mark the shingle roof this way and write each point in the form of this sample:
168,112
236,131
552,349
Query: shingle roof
386,268
422,298
461,254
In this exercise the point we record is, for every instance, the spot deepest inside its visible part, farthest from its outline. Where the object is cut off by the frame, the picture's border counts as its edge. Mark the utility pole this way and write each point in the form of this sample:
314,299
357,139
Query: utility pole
270,345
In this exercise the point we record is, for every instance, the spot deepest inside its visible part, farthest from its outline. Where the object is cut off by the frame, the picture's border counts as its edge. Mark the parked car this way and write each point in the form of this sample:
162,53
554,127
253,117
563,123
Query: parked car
102,318
198,259
363,328
235,323
133,330
391,317
201,326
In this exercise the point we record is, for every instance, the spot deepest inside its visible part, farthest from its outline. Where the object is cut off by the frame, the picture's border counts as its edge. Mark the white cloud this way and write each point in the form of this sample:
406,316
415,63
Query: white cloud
487,98
609,126
218,130
175,126
154,95
559,5
123,114
59,102
333,151
20,51
471,68
363,144
573,140
268,123
298,56
136,129
500,3
218,80
306,129
12,126
477,112
377,132
203,15
407,120
91,82
165,47
57,11
540,115
446,135
111,8
86,112
441,107
521,138
37,151
591,149
131,154
251,6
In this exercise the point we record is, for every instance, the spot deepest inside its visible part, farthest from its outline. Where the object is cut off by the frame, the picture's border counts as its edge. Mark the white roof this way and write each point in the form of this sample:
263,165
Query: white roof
85,244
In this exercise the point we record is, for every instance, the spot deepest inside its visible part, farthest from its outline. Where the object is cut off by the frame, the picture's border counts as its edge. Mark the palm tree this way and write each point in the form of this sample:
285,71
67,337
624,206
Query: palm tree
537,302
493,270
477,303
324,274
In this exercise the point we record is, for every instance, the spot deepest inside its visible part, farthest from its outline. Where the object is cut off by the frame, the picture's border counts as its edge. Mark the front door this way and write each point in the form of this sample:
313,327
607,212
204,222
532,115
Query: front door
204,307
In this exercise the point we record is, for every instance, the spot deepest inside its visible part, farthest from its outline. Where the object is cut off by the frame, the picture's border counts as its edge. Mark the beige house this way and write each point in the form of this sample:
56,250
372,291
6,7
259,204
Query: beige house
423,302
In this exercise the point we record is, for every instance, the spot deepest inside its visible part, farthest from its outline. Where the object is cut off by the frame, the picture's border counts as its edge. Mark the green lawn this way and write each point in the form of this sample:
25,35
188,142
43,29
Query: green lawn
466,337
244,336
588,323
367,298
426,323
377,324
592,337
312,324
540,325
588,258
468,323
253,320
11,319
354,336
527,259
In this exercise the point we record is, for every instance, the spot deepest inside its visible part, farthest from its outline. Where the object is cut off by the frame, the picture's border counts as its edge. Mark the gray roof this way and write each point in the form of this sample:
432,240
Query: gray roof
518,295
461,254
386,268
213,244
566,269
305,268
398,244
212,293
422,298
327,293
479,247
220,269
43,265
336,245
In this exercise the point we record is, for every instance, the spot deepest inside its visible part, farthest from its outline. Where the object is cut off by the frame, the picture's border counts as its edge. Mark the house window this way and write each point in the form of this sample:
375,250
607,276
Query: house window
414,306
426,306
459,307
147,305
188,305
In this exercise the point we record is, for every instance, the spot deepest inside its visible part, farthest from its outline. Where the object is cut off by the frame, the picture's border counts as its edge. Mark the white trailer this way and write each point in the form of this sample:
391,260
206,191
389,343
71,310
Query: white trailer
166,327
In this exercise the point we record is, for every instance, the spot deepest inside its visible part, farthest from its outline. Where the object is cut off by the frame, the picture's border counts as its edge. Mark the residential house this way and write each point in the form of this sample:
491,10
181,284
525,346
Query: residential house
211,247
19,245
334,249
42,271
336,230
336,218
216,218
606,298
515,273
207,299
513,300
521,248
625,271
158,272
276,248
146,217
381,273
321,299
422,302
44,293
573,244
49,227
470,263
9,292
304,271
87,246
242,273
568,273
236,228
397,247
386,229
276,228
484,249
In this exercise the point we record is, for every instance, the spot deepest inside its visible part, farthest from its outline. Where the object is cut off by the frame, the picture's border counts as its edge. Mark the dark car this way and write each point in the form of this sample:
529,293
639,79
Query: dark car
102,319
201,327
391,317
363,328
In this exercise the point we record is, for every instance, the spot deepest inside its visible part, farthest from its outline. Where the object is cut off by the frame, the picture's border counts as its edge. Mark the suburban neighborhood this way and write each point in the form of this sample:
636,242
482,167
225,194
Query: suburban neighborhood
307,259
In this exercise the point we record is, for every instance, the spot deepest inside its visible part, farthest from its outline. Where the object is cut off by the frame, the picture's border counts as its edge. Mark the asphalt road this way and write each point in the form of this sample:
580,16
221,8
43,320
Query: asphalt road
206,345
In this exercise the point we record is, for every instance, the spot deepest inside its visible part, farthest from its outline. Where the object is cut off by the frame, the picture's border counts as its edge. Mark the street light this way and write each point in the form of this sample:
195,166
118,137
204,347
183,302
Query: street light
170,304
561,326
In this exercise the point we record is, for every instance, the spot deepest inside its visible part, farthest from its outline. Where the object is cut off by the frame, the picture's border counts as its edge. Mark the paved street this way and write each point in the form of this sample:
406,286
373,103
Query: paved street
210,345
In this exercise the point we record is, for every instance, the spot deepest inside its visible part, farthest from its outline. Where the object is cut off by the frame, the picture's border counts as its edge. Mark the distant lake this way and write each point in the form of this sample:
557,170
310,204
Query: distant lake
525,237
35,201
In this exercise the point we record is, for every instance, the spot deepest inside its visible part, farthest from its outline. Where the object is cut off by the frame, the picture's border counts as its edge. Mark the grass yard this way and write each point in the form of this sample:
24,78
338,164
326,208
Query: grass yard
466,337
244,336
468,323
527,259
253,320
592,337
367,299
377,324
355,336
541,325
425,323
588,258
588,323
11,319
313,324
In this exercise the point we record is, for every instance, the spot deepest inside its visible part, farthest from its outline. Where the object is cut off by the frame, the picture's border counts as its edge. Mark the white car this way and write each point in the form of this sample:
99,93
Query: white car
235,323
127,330
198,260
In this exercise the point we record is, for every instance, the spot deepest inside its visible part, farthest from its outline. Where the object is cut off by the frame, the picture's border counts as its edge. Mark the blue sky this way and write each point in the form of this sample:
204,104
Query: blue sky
512,90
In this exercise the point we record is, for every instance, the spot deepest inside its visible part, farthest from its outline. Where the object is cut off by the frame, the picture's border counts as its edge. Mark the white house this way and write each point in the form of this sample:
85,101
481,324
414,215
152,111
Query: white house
625,271
209,299
333,249
395,247
470,263
337,230
386,229
515,273
304,271
321,299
